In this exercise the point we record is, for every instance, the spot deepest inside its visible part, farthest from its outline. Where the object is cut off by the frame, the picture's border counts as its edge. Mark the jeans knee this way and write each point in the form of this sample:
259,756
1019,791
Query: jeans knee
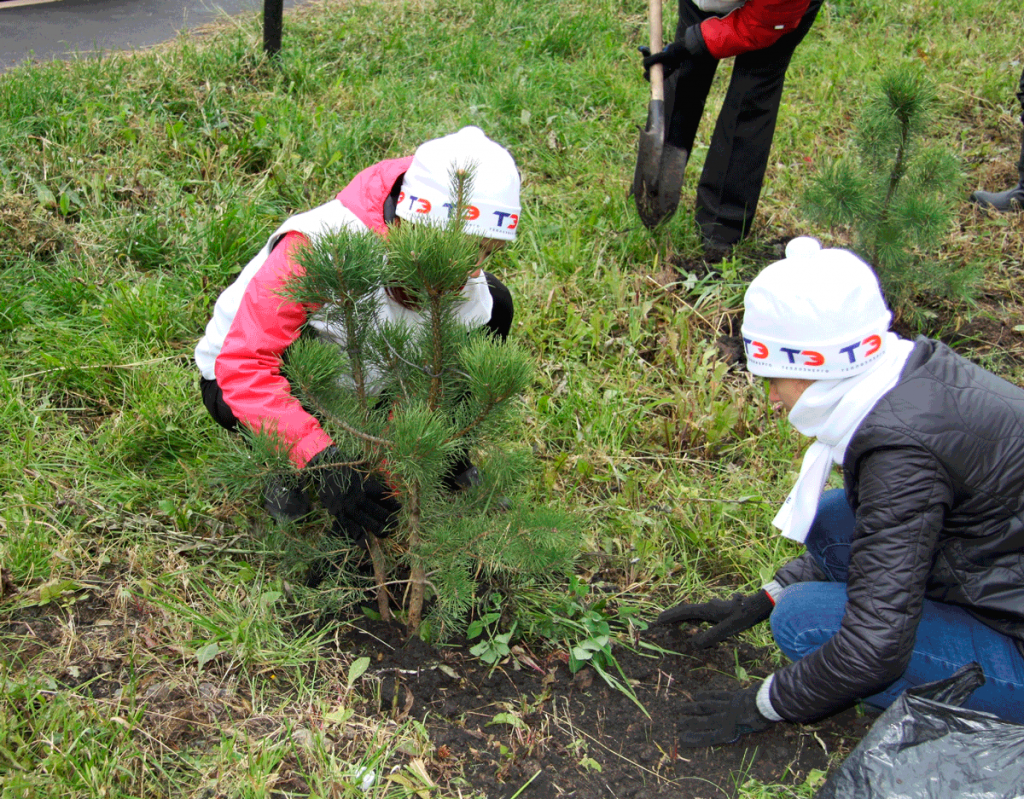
806,615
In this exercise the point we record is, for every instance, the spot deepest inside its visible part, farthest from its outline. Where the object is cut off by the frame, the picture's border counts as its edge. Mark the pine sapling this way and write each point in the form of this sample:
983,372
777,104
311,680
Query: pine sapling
894,191
412,399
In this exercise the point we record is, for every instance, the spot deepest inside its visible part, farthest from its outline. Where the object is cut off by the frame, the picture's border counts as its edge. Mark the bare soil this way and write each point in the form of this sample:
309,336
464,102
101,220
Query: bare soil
530,728
525,728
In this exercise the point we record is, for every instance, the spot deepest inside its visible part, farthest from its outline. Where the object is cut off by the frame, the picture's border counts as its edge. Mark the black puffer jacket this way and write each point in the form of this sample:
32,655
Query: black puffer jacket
935,474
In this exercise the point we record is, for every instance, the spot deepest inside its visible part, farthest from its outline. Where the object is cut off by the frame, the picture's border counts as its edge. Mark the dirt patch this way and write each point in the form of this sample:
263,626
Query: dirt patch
530,728
25,227
526,727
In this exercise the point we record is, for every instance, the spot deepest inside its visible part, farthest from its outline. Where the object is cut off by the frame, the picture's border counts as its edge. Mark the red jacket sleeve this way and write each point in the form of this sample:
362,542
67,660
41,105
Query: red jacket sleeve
248,369
754,26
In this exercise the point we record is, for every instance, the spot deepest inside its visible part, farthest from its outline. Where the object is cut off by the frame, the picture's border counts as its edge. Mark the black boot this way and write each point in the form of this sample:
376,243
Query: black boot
1011,200
1005,201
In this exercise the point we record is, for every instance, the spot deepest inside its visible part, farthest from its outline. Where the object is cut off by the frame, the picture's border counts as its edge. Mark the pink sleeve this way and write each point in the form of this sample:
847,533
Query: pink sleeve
754,26
248,369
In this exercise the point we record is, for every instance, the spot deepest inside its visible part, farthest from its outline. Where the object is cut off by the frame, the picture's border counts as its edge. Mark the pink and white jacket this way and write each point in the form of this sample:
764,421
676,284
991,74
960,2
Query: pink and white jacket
253,324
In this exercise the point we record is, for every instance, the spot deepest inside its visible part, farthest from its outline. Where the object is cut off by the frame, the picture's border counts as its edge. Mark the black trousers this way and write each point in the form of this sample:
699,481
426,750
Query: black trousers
500,324
1020,95
730,185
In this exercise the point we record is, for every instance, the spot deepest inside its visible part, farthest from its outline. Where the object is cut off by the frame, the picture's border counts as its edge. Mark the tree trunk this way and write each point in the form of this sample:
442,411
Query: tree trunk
380,578
418,580
417,574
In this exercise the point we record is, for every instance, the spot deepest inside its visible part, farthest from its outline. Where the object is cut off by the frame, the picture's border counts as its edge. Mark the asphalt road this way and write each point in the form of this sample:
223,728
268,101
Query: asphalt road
31,30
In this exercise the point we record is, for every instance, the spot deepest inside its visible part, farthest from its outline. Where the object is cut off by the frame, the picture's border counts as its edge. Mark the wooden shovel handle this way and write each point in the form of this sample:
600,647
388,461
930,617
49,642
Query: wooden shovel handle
657,45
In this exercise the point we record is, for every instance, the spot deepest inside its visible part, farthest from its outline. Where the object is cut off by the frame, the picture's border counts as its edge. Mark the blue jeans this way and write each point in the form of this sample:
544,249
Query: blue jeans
948,637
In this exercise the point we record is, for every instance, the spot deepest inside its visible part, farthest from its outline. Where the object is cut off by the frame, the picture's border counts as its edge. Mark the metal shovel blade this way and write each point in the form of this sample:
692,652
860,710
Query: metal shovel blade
670,181
648,165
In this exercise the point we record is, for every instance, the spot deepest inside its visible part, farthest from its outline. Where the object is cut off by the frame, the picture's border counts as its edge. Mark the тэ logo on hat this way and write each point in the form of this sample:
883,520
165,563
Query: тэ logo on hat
872,342
501,219
813,358
472,213
756,349
840,358
419,205
759,351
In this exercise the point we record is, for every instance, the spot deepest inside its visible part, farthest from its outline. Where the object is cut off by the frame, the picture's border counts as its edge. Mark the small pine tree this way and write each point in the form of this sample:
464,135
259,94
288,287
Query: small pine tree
405,403
895,192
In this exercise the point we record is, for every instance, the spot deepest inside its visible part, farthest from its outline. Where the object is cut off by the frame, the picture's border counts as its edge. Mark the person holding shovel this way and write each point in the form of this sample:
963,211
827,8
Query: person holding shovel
761,35
915,567
253,324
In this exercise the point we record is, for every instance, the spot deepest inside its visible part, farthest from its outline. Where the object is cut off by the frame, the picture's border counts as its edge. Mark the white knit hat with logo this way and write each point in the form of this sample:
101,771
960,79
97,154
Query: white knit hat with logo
816,315
426,188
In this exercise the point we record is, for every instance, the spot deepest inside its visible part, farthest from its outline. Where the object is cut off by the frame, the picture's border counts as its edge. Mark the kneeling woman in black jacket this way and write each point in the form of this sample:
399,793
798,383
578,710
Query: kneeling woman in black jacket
916,567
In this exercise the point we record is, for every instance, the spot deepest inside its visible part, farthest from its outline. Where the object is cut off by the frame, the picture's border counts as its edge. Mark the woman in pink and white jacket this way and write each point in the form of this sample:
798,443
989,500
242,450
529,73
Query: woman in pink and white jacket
240,357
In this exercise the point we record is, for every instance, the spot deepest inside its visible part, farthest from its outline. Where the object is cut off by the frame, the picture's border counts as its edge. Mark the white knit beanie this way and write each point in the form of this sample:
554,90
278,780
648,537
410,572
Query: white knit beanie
817,315
426,188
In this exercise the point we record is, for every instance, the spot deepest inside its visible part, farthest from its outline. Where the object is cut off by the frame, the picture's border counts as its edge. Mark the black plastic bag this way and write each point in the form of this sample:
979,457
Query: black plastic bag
924,746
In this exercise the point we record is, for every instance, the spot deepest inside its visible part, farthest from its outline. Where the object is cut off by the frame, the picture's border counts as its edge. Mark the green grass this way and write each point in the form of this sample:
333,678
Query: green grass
132,190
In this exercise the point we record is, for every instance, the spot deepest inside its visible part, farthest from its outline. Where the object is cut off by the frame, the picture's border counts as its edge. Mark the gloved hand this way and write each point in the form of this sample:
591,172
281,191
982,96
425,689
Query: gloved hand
359,503
721,717
692,44
729,616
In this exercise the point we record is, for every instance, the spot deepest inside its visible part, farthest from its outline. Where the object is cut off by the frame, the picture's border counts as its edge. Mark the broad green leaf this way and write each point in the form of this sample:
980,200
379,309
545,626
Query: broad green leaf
51,592
268,598
508,718
357,670
339,715
207,653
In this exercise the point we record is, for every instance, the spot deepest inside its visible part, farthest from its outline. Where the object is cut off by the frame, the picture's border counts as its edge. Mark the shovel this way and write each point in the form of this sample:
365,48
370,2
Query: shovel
652,137
658,177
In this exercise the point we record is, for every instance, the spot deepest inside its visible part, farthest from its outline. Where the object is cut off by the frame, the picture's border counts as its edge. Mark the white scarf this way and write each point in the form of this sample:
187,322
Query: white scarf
831,411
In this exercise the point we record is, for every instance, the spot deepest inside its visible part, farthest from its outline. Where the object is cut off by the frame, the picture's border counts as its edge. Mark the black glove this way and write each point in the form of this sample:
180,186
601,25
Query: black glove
692,44
720,717
729,616
359,504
